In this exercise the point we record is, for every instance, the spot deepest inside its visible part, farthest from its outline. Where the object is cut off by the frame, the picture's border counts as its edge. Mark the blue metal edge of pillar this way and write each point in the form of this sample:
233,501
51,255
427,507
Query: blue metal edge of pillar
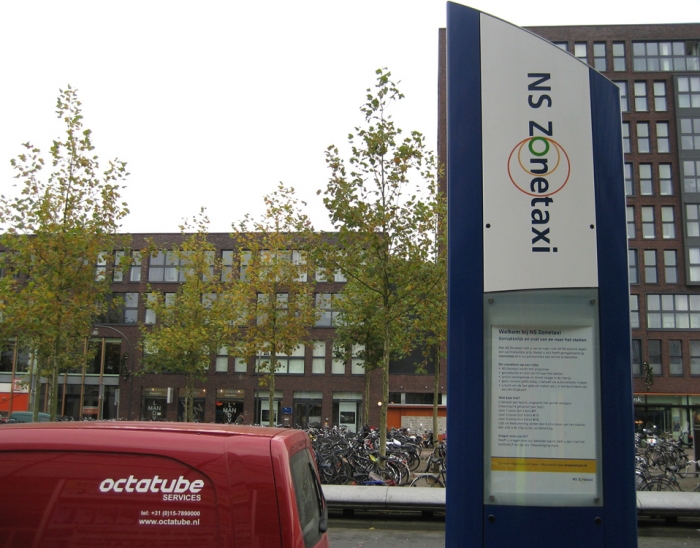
617,413
464,520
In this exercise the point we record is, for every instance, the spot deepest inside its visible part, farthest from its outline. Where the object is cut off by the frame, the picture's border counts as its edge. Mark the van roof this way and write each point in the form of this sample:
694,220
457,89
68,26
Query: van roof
113,433
180,427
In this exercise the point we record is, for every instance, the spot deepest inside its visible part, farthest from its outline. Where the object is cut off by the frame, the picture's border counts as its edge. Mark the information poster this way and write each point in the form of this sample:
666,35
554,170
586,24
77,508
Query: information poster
543,414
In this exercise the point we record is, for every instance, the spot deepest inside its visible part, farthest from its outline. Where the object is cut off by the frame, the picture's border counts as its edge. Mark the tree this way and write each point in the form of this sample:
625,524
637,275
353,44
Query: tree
385,206
192,326
357,336
274,274
57,230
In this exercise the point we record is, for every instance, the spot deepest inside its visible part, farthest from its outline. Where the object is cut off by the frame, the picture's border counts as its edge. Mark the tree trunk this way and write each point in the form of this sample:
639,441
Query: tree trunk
189,398
368,380
53,379
271,385
383,412
436,396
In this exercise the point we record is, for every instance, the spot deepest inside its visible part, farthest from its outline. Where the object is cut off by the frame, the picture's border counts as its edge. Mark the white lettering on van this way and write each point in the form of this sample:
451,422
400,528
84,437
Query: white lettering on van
153,485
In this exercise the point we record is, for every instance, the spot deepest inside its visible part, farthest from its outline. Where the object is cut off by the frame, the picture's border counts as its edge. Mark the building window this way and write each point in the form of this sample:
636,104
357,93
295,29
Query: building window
631,230
626,145
292,364
690,133
580,51
648,232
673,311
668,225
675,358
629,180
637,357
163,267
169,300
663,142
646,187
665,181
132,265
107,363
643,145
694,357
280,308
618,51
634,311
599,57
357,364
650,271
660,97
665,56
640,97
327,304
131,307
226,265
692,220
694,264
240,365
622,85
562,45
633,266
126,311
222,360
654,356
671,266
338,362
318,365
246,257
101,267
691,176
688,91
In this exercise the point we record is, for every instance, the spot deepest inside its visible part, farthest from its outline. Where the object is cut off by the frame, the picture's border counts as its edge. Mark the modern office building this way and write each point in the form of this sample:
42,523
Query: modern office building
312,385
657,69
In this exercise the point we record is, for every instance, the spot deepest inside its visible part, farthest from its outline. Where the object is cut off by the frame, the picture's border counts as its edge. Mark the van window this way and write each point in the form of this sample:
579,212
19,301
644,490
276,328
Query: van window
310,504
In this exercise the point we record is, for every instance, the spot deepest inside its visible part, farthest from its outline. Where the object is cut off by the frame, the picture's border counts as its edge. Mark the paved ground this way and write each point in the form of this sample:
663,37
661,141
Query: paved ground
393,534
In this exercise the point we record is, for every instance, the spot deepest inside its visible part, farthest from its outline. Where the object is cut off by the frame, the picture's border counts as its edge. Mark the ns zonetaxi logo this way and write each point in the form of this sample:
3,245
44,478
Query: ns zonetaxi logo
539,166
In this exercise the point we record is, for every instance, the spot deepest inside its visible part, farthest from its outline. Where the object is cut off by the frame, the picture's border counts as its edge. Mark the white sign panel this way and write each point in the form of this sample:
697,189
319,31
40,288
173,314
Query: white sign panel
543,415
539,209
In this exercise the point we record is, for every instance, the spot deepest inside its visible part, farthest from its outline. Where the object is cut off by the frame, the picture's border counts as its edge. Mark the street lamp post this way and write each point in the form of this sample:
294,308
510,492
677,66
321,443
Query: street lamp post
132,354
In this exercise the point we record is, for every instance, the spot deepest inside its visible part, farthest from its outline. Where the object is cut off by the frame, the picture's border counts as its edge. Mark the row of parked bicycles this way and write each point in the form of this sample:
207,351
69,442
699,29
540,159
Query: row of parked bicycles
346,458
660,462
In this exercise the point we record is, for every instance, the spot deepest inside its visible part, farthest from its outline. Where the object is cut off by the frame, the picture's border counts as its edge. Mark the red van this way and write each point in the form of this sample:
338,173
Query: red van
149,484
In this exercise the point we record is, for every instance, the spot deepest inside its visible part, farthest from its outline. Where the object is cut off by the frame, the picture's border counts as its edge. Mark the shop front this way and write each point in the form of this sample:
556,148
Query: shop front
154,404
229,406
677,415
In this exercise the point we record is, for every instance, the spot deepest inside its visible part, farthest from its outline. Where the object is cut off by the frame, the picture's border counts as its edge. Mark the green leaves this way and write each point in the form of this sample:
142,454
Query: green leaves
386,209
57,227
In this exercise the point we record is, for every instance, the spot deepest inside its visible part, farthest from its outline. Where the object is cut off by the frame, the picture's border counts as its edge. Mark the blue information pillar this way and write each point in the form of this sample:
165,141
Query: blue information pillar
540,426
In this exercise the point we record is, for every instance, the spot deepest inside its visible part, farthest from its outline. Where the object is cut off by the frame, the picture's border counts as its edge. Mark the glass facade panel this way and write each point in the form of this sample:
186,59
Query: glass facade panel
691,175
671,266
663,142
665,180
624,103
646,187
618,51
660,104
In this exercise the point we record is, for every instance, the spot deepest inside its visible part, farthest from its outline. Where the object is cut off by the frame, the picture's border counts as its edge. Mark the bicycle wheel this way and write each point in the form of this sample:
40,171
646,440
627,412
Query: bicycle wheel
427,481
660,484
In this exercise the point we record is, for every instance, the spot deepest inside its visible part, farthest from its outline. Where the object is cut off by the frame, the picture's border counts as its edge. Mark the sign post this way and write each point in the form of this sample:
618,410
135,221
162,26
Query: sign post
539,334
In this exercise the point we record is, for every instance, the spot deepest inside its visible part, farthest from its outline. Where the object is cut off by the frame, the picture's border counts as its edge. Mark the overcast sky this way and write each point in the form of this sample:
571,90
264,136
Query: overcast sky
212,103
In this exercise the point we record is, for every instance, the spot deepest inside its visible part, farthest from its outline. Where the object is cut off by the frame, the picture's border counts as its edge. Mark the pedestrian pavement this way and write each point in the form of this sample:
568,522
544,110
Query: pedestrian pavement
366,533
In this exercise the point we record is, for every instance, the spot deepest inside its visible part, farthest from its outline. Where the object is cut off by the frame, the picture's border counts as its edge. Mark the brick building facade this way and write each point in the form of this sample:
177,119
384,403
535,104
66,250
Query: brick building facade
311,386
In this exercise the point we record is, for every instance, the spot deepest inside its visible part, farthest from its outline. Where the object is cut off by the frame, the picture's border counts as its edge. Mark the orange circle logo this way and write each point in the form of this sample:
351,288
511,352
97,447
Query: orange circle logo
539,166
